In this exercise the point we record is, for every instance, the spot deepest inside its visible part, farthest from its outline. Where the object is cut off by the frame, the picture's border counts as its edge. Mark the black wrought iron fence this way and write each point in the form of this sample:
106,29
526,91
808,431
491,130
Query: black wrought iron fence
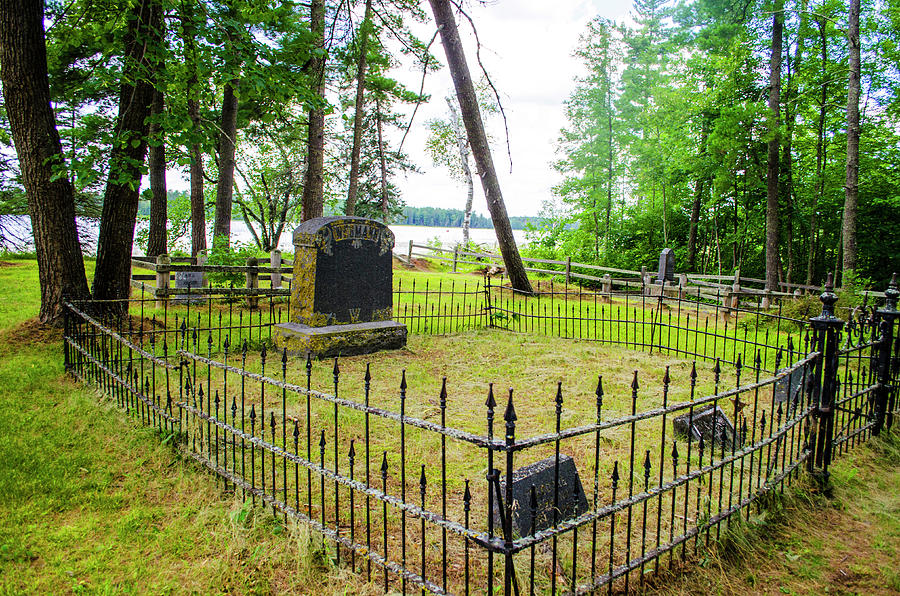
569,493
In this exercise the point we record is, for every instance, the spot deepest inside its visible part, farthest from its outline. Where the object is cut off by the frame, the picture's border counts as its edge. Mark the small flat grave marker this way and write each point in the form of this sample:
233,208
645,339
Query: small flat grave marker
540,475
787,389
709,422
188,280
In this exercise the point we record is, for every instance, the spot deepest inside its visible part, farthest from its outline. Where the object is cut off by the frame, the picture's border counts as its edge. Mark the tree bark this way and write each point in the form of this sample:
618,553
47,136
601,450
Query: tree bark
820,158
156,243
462,145
120,201
481,151
198,209
225,184
383,161
313,186
51,204
773,262
350,208
851,186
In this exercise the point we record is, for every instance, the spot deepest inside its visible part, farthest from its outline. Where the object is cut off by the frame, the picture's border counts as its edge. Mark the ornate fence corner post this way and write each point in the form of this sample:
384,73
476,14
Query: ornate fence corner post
162,279
885,395
827,328
509,572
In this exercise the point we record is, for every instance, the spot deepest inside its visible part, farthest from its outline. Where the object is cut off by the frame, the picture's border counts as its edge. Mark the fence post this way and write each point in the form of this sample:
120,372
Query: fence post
275,263
455,256
201,262
568,269
252,282
826,328
409,254
884,396
162,279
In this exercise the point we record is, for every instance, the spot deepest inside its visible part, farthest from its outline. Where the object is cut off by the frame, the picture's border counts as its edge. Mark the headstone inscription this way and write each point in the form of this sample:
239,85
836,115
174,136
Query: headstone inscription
787,388
570,498
342,293
188,280
666,270
709,422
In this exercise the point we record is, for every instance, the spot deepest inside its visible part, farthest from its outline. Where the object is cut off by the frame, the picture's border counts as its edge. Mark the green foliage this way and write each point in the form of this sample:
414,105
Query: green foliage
234,255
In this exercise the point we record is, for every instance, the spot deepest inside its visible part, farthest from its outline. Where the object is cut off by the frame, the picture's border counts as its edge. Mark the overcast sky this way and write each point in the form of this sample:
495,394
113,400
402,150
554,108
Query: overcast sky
527,47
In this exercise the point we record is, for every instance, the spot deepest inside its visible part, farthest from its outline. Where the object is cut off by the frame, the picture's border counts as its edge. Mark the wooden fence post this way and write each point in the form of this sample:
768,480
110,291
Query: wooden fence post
275,263
162,279
607,284
252,281
201,261
568,269
455,256
409,254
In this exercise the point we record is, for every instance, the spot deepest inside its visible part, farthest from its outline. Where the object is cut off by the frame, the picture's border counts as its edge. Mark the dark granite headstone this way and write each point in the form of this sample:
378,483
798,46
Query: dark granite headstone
345,274
787,389
342,293
666,266
540,475
188,280
708,422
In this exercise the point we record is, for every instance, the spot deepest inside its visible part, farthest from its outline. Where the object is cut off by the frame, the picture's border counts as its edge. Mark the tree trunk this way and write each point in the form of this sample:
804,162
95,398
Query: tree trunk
820,159
468,103
313,191
225,184
350,208
51,204
695,207
382,159
156,243
463,145
773,262
851,186
198,209
120,201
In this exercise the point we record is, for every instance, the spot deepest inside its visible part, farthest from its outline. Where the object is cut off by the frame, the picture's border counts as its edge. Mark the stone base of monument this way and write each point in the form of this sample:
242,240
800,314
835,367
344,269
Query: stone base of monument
340,340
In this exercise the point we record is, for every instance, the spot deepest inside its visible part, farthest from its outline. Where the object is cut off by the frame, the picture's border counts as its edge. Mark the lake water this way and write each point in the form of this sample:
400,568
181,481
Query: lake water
88,230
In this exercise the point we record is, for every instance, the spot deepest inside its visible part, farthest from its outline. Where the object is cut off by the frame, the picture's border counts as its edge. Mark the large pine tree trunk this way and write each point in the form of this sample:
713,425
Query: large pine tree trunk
350,208
773,262
225,184
313,185
156,243
481,151
120,201
851,186
198,210
26,92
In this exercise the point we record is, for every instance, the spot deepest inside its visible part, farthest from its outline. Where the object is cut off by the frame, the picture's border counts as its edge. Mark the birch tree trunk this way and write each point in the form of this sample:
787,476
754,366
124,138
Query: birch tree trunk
773,261
851,186
471,115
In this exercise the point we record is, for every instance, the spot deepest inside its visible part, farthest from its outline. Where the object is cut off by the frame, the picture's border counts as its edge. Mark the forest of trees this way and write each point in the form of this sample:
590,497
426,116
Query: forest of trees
453,218
292,99
720,128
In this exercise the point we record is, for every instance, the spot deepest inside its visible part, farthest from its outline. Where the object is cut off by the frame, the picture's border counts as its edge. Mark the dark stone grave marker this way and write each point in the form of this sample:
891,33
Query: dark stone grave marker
787,389
188,280
666,266
540,475
342,292
708,422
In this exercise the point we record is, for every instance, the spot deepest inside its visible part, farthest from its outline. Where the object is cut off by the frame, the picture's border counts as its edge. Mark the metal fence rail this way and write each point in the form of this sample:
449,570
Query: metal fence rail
416,492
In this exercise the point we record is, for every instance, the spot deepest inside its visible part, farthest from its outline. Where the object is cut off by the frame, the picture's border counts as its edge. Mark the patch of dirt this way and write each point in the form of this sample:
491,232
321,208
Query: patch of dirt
31,332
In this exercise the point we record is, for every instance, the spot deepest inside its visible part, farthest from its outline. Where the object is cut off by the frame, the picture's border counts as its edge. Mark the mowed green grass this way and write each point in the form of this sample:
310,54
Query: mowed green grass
92,503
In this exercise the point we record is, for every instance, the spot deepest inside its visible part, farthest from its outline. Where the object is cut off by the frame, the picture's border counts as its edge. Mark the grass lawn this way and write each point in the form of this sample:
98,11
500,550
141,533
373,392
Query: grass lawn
93,503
